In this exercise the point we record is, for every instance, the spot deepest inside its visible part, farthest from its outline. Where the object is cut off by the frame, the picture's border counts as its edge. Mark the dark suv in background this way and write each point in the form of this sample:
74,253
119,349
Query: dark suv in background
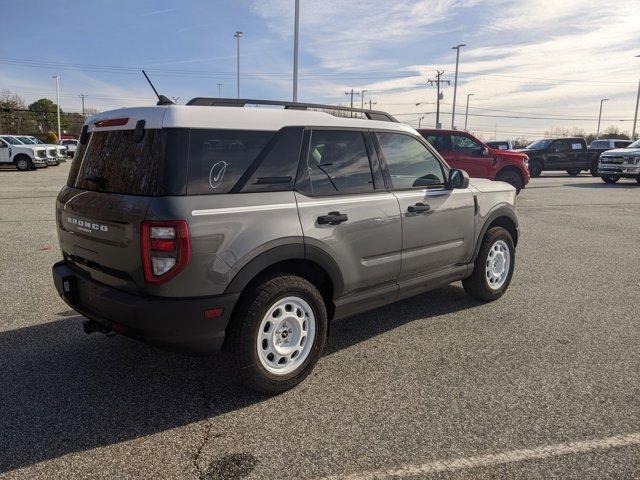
465,151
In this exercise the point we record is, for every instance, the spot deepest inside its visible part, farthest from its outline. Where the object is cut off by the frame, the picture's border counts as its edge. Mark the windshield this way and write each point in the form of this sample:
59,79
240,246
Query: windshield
12,141
26,140
635,144
544,143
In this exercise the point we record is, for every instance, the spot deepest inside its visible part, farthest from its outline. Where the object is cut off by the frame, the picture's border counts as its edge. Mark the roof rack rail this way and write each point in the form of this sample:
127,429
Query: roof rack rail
241,102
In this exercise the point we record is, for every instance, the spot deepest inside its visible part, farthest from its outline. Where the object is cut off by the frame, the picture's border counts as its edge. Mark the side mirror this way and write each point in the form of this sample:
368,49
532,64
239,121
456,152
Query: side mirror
485,152
458,178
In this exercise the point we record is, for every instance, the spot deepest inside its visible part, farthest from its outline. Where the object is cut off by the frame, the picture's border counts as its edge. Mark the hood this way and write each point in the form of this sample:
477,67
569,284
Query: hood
514,154
526,152
621,152
27,148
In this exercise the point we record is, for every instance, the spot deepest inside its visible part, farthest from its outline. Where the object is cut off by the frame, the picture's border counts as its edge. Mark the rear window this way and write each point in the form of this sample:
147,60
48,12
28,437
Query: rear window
111,161
219,158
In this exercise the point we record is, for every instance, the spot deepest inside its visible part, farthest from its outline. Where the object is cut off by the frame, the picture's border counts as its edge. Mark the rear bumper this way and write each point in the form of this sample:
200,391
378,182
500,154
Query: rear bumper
176,324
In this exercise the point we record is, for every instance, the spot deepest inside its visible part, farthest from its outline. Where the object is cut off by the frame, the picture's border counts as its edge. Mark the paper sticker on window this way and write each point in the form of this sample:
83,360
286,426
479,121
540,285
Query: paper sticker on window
576,146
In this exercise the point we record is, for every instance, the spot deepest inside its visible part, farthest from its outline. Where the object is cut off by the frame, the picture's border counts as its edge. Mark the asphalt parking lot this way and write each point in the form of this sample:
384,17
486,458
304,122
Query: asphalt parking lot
544,383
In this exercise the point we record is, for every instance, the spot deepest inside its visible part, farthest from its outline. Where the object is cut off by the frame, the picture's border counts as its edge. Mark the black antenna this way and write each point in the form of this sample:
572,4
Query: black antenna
162,100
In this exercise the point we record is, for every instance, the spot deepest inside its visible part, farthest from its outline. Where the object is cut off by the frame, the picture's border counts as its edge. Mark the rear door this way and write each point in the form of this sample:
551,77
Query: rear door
469,154
345,210
437,223
560,155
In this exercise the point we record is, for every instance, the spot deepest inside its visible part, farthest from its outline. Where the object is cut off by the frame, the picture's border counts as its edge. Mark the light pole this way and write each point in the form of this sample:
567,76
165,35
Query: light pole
455,84
466,113
635,117
296,29
82,96
57,77
219,90
420,121
362,98
237,35
600,117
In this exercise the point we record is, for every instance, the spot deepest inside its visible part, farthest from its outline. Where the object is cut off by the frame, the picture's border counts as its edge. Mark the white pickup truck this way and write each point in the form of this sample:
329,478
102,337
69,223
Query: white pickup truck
55,153
24,157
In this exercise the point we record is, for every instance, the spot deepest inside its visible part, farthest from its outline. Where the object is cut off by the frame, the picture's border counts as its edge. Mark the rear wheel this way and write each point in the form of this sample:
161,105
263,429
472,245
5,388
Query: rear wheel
23,163
610,179
278,333
511,177
535,168
493,267
638,179
574,172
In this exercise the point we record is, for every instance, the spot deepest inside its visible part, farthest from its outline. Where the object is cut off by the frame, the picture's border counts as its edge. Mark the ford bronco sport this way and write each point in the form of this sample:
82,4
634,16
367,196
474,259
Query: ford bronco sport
203,227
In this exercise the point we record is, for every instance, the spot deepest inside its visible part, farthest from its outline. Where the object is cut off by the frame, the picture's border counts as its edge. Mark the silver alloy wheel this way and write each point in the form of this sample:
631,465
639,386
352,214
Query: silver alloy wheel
498,265
286,335
23,164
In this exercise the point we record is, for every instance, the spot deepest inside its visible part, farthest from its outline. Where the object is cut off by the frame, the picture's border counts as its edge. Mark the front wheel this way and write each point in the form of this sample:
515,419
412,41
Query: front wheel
278,333
493,267
610,179
638,179
511,177
23,164
535,168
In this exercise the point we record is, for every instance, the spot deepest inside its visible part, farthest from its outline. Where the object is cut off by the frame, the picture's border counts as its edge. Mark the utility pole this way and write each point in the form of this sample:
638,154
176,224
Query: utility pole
237,35
371,103
455,84
82,96
57,77
362,98
437,82
466,113
635,117
296,29
351,93
600,117
219,90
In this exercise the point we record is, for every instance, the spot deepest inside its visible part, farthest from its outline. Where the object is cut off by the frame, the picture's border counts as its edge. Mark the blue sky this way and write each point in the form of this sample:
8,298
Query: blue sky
538,58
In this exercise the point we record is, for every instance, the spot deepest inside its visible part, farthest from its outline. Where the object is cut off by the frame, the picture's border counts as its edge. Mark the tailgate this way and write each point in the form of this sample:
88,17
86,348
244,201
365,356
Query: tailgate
100,234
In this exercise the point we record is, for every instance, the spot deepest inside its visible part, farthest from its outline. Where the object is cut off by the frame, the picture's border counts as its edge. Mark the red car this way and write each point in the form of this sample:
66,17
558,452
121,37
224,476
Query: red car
463,150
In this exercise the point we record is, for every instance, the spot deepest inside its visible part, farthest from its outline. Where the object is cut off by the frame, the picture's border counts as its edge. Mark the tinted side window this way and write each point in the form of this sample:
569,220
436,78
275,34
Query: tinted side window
218,158
620,144
277,170
338,163
410,163
437,141
462,143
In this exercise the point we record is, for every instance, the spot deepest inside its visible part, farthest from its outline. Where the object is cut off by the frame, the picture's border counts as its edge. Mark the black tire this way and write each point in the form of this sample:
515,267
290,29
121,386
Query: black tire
535,168
477,285
23,163
638,179
511,177
243,335
574,172
610,179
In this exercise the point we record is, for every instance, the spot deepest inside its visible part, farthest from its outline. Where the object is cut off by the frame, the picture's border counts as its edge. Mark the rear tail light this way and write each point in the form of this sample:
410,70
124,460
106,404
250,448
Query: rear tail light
166,249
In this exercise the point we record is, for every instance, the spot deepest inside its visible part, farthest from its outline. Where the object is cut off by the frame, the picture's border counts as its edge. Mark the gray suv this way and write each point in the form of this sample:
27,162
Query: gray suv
211,226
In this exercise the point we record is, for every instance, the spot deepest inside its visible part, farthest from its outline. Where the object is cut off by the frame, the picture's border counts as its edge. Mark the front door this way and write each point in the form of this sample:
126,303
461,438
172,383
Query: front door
345,210
4,152
437,222
470,156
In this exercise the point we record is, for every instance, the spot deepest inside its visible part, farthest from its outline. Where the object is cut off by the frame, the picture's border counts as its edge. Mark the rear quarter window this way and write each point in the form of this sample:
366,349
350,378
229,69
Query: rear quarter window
219,158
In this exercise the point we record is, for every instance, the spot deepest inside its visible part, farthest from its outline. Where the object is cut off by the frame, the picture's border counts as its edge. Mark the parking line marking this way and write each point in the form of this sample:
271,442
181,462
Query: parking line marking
581,446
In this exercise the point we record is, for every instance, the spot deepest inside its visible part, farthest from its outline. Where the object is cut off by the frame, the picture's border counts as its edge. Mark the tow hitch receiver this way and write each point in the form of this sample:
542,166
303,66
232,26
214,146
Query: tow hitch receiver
91,326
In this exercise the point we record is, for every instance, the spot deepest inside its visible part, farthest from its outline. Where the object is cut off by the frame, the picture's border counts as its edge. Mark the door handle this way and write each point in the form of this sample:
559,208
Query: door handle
418,208
332,218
